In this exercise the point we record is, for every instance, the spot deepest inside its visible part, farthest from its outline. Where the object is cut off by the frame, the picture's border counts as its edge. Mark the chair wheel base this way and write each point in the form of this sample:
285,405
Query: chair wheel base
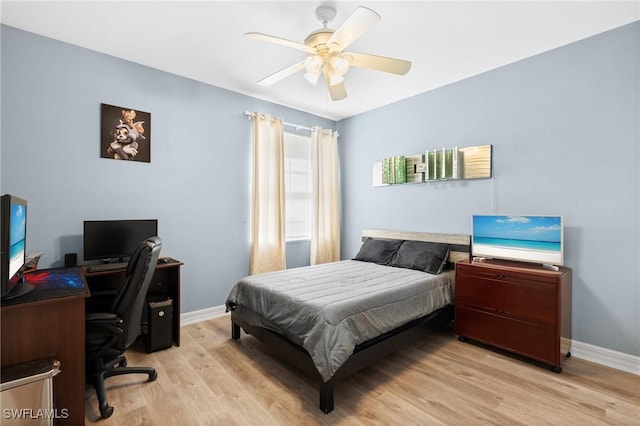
106,412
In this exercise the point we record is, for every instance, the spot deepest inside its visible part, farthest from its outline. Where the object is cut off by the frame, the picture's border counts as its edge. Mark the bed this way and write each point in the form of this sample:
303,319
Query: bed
334,319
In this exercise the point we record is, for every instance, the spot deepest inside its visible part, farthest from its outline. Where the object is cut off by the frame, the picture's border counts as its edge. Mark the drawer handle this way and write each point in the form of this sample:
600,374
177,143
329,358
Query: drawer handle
501,312
501,277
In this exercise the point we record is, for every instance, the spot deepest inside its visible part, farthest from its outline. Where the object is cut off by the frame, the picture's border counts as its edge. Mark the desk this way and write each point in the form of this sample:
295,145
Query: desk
49,321
164,283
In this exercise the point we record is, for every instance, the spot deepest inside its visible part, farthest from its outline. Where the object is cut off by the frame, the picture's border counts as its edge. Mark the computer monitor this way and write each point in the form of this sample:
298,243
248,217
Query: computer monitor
107,240
13,237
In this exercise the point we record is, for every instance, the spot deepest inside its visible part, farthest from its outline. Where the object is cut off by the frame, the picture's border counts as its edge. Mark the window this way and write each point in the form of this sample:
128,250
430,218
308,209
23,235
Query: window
297,184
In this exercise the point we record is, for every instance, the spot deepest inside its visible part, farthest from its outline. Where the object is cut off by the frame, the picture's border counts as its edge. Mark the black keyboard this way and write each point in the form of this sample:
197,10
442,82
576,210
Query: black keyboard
101,267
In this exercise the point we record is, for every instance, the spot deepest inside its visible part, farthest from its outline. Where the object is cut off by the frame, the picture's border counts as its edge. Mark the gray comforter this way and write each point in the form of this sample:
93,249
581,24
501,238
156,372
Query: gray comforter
329,309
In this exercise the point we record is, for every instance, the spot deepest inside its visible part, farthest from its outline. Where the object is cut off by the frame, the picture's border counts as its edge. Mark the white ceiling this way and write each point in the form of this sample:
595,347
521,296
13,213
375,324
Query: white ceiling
203,40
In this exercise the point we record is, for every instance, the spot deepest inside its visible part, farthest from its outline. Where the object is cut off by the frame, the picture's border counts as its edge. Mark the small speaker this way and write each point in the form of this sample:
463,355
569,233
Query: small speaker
70,260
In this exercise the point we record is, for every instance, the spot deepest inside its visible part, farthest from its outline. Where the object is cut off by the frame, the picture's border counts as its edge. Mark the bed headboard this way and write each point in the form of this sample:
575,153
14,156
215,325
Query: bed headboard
460,243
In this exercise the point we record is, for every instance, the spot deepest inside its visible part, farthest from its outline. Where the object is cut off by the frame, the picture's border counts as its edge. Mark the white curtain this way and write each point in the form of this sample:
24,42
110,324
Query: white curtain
325,224
267,220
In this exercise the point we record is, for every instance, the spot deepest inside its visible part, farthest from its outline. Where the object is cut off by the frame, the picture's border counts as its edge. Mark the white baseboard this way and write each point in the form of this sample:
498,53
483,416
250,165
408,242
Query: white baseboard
614,359
202,315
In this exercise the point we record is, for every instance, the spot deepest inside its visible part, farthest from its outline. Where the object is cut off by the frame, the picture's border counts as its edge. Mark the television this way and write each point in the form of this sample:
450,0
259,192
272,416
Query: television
525,238
13,237
115,239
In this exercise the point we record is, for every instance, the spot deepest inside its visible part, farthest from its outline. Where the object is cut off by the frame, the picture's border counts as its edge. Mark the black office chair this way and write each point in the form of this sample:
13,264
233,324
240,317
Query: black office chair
109,334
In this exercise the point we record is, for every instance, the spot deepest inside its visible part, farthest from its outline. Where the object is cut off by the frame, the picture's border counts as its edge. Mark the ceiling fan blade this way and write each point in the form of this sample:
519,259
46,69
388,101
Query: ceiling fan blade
380,63
359,22
338,91
281,41
283,73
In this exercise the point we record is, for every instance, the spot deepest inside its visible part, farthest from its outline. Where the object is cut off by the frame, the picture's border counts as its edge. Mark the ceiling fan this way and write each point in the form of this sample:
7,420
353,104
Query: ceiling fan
326,55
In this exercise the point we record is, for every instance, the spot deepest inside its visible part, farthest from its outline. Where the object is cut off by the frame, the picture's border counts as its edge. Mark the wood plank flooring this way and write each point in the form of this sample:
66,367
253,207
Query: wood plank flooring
213,380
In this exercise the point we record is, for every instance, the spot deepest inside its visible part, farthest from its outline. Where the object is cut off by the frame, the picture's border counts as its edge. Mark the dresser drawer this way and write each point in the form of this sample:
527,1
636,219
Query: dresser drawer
535,341
517,275
531,301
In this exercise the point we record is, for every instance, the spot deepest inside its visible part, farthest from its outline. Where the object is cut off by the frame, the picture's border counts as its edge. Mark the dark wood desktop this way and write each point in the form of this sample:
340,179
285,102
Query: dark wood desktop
49,321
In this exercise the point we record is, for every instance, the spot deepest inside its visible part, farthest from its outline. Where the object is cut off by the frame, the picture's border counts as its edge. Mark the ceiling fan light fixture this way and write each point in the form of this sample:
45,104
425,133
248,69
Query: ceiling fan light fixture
340,65
312,77
313,64
335,78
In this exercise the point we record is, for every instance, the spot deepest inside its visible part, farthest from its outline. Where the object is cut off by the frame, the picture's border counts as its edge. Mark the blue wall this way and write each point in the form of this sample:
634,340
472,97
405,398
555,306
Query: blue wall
564,126
197,184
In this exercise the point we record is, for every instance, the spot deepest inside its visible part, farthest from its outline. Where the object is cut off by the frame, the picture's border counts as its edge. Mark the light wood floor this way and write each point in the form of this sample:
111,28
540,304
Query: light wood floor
213,380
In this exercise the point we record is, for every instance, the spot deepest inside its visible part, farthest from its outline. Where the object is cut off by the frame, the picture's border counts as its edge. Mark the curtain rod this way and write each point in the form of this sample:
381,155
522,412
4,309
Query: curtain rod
250,114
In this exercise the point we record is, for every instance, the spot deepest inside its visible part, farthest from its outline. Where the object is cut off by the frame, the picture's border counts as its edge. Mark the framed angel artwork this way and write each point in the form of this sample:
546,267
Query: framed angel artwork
125,134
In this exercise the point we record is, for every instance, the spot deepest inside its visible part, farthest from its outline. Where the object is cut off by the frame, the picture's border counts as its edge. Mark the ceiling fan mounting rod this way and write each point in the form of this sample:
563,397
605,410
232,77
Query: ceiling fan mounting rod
325,14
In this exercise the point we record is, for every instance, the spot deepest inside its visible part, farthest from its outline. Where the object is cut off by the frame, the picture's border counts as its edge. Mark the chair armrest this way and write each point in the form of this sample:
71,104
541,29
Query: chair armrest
103,317
104,293
103,322
100,300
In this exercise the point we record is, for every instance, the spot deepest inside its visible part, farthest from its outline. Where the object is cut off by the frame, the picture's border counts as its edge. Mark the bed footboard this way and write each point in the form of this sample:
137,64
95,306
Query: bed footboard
364,355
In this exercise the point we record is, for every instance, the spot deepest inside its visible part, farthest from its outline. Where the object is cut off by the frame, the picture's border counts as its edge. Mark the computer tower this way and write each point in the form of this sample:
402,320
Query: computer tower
159,325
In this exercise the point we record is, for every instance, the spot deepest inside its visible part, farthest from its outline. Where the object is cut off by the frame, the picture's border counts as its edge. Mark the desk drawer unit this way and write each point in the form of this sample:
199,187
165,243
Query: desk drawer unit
522,309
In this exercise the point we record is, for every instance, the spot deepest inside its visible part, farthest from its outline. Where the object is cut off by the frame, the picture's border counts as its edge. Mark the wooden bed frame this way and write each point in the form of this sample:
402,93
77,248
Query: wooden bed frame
372,350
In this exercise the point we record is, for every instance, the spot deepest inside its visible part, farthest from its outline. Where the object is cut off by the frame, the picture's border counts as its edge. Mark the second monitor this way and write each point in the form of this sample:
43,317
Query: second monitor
115,239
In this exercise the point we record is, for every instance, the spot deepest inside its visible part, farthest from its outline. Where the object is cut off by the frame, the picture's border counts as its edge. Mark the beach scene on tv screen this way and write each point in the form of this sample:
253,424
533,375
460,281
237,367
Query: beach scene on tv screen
528,238
17,235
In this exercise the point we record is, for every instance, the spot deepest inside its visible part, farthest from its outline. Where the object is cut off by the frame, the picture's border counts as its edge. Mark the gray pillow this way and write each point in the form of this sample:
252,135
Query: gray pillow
376,250
422,256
